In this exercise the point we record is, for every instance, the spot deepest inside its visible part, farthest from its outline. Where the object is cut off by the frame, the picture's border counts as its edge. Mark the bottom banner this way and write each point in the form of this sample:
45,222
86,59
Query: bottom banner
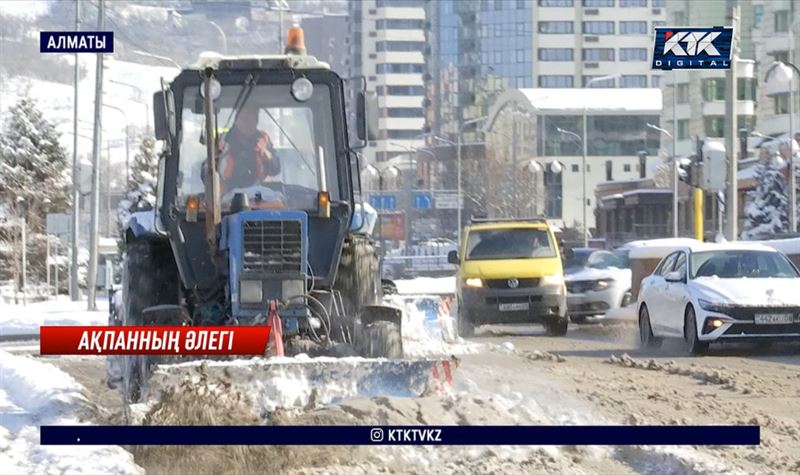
400,435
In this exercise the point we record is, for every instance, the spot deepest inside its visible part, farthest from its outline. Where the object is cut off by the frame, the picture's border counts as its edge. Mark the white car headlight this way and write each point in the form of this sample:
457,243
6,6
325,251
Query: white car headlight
555,279
250,291
473,282
713,306
603,284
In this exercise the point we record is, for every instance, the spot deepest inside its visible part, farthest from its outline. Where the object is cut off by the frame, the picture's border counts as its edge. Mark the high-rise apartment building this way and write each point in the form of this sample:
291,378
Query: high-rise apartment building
387,40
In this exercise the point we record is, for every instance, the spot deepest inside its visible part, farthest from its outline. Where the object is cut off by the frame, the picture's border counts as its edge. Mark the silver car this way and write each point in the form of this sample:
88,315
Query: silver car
597,281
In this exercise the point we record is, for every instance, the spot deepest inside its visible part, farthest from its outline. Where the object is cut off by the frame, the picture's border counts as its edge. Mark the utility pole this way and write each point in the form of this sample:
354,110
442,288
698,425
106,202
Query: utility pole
675,225
731,200
74,290
514,163
583,178
91,279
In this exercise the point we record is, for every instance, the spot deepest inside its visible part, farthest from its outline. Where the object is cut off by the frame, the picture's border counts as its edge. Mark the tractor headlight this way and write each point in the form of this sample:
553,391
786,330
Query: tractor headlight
250,291
302,89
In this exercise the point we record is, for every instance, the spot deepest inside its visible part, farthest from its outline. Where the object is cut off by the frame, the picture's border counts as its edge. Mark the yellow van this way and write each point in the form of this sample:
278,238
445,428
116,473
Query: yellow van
510,271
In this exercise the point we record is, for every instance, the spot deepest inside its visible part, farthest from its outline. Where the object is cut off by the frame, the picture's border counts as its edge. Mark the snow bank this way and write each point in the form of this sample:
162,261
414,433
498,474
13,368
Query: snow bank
657,248
26,320
786,246
427,286
32,394
425,333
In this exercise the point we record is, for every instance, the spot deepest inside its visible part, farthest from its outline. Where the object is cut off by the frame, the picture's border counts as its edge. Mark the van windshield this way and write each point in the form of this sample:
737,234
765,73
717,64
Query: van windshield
509,244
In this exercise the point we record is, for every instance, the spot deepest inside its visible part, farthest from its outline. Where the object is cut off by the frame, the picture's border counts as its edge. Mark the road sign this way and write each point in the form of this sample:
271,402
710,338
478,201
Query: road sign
59,224
446,200
423,201
383,201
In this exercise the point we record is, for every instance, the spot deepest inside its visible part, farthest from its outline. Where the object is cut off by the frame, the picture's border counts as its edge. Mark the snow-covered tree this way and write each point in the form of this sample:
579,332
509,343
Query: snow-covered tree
767,208
34,181
141,190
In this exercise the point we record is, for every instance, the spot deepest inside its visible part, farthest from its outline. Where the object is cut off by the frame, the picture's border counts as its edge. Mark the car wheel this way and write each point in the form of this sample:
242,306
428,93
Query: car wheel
556,326
646,337
696,347
464,326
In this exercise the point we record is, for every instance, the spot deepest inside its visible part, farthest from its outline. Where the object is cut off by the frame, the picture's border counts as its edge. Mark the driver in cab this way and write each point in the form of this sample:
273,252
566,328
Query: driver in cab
246,154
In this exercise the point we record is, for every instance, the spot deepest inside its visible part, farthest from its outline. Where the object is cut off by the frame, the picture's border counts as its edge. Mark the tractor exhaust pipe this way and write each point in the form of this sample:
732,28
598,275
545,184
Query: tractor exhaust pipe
213,213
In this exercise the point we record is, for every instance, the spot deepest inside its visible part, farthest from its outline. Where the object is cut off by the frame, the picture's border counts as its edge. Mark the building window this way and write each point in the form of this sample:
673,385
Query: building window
598,28
498,31
659,3
598,3
556,27
555,54
746,122
597,54
556,3
655,81
682,92
604,83
575,168
781,102
782,20
520,56
633,54
626,167
498,57
633,28
633,80
746,90
403,134
758,15
683,129
714,126
523,4
397,24
609,170
399,45
714,89
403,112
520,28
401,90
498,4
632,3
398,68
556,80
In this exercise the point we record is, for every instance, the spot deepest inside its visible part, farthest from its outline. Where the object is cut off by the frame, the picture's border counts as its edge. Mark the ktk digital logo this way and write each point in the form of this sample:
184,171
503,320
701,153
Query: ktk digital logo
693,48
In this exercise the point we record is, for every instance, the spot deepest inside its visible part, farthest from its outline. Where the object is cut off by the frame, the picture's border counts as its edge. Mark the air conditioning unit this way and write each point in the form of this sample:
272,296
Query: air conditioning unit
591,11
658,11
373,56
591,65
372,34
591,39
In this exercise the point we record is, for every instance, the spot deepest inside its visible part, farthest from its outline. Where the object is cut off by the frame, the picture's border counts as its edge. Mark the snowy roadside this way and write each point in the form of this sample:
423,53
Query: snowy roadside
26,320
33,393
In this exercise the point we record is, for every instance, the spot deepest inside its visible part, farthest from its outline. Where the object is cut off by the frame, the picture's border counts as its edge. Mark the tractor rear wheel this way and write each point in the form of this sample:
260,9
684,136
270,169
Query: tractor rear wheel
150,278
357,281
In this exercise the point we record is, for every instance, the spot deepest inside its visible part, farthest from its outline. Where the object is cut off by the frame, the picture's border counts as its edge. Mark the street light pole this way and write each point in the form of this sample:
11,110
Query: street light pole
91,279
674,178
458,170
142,97
76,196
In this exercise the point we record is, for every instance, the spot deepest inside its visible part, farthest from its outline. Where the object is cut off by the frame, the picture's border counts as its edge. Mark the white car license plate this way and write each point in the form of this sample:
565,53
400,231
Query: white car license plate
513,307
774,318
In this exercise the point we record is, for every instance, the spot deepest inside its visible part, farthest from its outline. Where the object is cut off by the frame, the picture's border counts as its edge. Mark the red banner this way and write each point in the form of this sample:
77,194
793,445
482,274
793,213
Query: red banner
153,340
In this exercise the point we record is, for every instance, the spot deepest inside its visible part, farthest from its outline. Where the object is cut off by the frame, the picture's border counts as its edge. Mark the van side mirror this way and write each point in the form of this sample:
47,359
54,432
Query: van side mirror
452,258
367,110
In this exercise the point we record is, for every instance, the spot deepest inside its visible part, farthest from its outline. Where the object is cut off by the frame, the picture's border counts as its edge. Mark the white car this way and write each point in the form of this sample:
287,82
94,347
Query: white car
597,281
708,293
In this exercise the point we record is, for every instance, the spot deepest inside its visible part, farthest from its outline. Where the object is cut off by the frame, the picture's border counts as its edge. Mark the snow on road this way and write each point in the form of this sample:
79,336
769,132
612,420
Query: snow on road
26,320
34,393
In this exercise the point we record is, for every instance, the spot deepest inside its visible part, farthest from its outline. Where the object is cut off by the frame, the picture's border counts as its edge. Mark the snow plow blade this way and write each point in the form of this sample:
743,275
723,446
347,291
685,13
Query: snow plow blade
266,382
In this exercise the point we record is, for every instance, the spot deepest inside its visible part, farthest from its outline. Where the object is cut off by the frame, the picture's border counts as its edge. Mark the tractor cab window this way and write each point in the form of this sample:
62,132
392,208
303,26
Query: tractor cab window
270,146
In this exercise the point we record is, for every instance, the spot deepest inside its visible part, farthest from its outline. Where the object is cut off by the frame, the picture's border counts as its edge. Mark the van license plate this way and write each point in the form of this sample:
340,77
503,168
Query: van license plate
513,307
774,318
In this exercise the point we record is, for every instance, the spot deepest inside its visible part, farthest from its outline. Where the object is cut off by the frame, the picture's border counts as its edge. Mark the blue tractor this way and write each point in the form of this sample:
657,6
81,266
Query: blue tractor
290,243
